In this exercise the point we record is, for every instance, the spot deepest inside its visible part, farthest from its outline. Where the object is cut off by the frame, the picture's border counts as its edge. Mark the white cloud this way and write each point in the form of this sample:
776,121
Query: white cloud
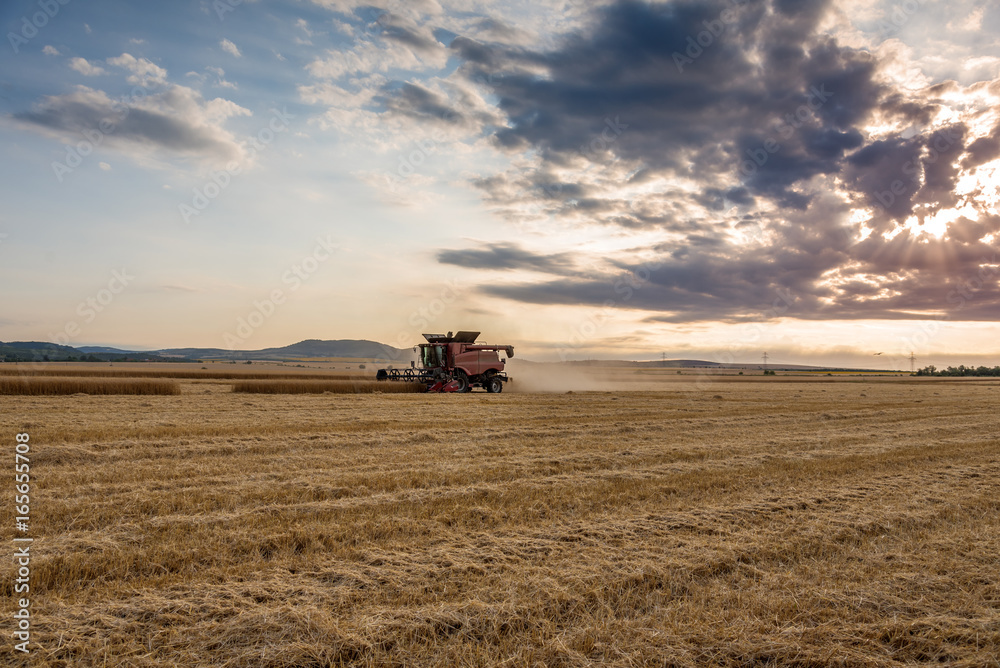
220,77
85,68
144,72
50,50
303,25
219,74
104,166
230,48
370,57
535,22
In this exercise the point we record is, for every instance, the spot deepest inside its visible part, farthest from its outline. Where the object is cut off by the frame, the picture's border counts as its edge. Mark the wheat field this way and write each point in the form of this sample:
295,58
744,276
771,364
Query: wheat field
32,385
749,523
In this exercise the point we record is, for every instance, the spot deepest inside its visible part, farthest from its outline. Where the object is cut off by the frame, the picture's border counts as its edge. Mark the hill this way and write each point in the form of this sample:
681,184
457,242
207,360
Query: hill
35,351
310,348
28,351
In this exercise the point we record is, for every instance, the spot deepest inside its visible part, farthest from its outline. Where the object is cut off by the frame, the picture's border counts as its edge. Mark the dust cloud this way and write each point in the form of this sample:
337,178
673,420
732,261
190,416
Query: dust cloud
540,377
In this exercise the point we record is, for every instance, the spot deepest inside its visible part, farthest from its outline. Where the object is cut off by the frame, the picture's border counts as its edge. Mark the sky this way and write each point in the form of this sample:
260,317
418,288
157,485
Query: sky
621,180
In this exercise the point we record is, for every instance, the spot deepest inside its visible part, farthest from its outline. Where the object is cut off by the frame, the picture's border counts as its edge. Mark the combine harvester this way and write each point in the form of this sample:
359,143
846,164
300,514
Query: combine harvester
454,364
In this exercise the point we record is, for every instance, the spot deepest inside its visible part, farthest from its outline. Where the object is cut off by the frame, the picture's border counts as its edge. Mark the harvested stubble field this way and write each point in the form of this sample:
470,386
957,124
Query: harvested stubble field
720,523
186,371
299,386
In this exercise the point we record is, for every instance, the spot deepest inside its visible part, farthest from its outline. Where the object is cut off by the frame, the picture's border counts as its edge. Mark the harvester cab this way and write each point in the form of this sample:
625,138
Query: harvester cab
454,363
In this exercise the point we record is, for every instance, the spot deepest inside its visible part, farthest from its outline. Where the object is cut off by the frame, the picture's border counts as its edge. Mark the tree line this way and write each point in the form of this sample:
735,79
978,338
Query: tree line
960,370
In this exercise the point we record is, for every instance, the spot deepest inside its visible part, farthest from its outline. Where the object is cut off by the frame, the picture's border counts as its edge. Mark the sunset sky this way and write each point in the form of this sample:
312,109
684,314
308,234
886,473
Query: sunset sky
712,180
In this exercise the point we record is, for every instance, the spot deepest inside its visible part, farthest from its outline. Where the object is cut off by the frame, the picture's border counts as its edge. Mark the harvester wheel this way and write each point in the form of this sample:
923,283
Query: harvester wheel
494,385
463,382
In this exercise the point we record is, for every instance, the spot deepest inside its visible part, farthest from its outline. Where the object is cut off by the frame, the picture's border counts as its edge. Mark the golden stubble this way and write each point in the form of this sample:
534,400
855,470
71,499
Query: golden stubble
722,523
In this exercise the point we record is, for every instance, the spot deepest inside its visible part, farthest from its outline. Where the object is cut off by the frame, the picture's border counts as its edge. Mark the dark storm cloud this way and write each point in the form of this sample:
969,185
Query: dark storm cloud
701,285
679,107
886,172
894,175
748,92
507,256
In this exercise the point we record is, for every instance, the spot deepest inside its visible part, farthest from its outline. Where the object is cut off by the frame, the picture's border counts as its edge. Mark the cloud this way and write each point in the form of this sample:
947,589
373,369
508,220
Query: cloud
50,50
143,72
230,48
85,68
768,158
220,77
177,123
418,102
508,256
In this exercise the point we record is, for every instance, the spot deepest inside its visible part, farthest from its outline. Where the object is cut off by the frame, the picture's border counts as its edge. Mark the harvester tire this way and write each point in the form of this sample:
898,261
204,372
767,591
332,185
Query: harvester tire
463,382
494,385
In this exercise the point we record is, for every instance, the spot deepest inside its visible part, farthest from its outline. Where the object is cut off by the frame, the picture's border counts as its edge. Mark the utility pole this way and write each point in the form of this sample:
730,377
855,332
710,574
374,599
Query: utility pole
765,358
913,362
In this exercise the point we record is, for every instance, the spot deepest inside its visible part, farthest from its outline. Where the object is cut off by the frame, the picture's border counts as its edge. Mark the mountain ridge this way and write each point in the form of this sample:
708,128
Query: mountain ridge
37,351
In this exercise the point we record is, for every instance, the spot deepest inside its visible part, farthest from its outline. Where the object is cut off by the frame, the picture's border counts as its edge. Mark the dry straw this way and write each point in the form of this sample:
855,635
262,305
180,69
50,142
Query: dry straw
62,386
213,374
321,387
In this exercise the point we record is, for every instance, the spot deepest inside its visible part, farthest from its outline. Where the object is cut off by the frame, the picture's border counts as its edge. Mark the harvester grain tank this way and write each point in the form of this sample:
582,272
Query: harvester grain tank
454,363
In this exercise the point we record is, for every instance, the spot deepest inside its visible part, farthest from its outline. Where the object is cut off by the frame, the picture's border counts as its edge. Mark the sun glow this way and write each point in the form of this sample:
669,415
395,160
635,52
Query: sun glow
936,225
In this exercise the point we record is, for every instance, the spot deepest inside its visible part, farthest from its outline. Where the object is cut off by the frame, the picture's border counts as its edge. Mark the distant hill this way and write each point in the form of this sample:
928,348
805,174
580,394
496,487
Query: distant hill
37,351
301,350
105,349
28,351
703,364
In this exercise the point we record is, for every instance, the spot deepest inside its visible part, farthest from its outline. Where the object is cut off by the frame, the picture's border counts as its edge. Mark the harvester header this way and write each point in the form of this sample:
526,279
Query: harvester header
454,363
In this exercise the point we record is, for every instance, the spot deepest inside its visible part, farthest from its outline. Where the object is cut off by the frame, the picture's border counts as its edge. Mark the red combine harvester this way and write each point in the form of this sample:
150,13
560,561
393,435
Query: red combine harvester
454,364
